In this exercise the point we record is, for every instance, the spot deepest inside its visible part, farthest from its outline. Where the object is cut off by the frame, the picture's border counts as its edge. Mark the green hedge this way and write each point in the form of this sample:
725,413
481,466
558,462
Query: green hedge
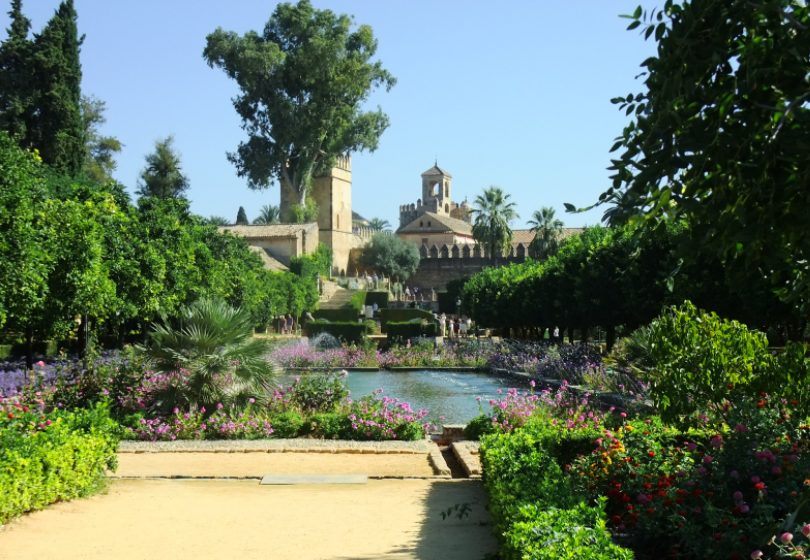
410,329
345,314
47,348
344,330
380,298
60,457
534,507
402,315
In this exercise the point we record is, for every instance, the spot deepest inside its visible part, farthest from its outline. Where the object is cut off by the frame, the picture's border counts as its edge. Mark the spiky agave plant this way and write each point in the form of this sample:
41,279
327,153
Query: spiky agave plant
211,346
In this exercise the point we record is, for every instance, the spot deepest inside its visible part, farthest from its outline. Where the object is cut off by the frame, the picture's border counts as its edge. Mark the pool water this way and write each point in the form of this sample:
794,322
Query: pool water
449,396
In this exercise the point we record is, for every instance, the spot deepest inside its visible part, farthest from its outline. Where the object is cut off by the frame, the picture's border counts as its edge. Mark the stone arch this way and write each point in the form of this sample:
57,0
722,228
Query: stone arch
521,251
418,202
434,252
465,252
477,252
454,252
445,252
447,208
423,252
435,189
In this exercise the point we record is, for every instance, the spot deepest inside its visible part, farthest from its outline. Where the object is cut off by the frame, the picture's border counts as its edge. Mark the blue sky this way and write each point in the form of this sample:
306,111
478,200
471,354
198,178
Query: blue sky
515,95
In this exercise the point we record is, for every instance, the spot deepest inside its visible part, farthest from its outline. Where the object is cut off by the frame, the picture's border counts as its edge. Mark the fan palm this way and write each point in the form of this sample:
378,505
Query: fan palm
211,344
269,214
378,224
547,230
492,213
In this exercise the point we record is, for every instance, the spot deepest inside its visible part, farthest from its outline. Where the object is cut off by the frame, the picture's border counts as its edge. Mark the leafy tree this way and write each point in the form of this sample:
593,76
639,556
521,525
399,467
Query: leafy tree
163,175
721,135
57,128
16,87
269,214
100,151
303,81
378,224
547,230
213,343
391,256
241,217
492,213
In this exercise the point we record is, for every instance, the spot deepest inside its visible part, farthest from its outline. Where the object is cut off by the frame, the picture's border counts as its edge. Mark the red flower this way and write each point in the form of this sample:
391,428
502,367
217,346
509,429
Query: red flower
651,453
759,486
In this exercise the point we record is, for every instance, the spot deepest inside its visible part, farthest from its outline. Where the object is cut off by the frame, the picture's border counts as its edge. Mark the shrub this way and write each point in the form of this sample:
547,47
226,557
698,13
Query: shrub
319,392
377,417
346,331
400,315
699,359
414,328
317,263
45,458
357,301
337,315
479,426
288,424
329,425
380,298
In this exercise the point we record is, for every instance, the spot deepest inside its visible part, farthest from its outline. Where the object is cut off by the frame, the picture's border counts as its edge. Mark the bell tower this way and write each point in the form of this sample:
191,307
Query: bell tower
332,192
436,184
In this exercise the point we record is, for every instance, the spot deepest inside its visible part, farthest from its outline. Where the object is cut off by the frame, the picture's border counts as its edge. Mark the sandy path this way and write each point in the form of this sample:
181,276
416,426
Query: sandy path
259,464
222,519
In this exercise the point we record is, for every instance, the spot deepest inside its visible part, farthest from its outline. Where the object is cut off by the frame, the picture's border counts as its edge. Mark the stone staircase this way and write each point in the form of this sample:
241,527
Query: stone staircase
335,297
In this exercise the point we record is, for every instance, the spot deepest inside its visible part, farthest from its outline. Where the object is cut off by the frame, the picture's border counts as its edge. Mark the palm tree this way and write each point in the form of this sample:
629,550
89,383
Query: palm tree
211,347
378,224
492,213
217,221
269,214
547,230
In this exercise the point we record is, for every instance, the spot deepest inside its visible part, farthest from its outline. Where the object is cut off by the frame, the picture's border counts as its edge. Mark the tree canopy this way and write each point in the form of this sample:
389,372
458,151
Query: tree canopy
303,81
547,229
163,175
390,255
492,213
720,135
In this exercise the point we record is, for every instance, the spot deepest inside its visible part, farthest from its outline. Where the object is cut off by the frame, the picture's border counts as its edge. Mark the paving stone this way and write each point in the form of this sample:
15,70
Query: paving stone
289,479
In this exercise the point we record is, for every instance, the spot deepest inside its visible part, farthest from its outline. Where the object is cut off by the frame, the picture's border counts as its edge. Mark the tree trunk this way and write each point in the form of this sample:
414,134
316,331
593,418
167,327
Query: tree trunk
570,335
29,350
610,337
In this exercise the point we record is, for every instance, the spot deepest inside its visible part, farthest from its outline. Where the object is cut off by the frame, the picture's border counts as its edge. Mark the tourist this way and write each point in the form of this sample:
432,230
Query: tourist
463,326
407,293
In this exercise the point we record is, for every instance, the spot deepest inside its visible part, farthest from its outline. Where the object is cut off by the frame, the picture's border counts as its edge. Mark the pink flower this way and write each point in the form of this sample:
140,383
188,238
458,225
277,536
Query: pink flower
756,555
806,530
786,537
40,364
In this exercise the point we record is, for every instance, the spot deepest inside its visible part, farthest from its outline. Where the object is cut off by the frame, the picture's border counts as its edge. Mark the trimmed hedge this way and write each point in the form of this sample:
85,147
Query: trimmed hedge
402,315
411,329
380,298
535,509
344,314
54,457
46,349
346,331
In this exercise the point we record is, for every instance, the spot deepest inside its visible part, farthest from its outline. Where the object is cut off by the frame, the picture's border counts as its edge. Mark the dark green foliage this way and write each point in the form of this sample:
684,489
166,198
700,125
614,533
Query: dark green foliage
314,264
99,162
316,392
479,426
339,315
213,344
241,217
452,293
302,83
547,230
533,503
347,332
414,328
57,128
287,424
163,175
380,298
65,460
401,315
491,214
16,86
391,256
330,425
720,136
269,214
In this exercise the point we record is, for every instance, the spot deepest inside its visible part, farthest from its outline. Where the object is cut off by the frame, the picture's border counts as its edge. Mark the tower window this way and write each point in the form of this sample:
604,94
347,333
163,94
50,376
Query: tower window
421,224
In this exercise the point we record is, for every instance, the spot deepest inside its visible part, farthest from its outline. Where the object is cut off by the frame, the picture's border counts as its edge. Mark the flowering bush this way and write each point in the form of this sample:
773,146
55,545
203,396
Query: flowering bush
378,417
246,424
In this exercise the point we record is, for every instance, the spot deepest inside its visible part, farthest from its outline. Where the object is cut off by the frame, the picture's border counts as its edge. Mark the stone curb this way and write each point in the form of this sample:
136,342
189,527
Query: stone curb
256,477
467,454
438,463
277,446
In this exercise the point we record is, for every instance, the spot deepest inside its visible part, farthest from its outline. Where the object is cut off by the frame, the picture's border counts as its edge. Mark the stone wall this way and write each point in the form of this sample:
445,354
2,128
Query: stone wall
437,272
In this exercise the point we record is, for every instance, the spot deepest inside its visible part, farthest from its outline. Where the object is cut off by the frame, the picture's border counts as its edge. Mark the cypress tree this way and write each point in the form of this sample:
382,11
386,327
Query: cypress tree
241,217
16,81
58,128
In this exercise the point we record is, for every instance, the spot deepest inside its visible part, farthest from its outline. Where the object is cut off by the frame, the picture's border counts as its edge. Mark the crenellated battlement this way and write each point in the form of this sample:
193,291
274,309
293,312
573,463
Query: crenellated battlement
518,252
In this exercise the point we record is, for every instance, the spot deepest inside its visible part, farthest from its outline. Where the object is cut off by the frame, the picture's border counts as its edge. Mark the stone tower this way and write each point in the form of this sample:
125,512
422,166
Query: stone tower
332,193
436,191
